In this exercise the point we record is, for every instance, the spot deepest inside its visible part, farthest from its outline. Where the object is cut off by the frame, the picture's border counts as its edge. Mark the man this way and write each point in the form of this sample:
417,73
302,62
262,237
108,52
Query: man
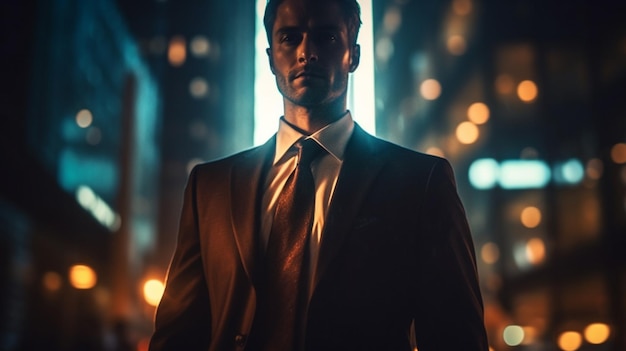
385,244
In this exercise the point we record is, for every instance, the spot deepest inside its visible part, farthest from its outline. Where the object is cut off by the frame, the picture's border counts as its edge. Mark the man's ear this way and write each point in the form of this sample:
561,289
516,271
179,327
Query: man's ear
355,58
268,51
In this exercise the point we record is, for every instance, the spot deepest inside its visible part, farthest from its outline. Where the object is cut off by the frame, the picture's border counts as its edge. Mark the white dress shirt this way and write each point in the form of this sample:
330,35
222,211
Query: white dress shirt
333,138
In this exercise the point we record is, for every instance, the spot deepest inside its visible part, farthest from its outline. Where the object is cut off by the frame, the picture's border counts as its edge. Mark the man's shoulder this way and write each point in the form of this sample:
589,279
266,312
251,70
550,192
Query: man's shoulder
392,151
223,165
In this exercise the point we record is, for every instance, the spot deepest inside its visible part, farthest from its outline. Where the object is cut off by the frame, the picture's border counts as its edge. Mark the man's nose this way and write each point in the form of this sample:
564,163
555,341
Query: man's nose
307,51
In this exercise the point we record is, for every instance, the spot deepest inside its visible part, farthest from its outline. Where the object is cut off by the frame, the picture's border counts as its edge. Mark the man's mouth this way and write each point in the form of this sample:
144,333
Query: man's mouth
308,75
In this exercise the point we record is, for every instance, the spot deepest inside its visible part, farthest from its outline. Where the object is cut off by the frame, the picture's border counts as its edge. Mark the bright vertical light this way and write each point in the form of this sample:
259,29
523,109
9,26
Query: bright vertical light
268,101
361,99
268,104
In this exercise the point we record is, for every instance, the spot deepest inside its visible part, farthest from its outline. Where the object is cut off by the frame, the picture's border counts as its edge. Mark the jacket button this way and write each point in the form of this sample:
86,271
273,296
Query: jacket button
240,340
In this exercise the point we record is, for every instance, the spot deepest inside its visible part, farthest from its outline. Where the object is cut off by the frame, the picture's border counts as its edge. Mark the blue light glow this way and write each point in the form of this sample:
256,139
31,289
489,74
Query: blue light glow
569,172
524,174
483,173
486,173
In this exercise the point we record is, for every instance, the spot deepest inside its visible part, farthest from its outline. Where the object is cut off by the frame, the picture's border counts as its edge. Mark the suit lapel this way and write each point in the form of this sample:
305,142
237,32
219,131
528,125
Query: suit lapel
361,165
247,178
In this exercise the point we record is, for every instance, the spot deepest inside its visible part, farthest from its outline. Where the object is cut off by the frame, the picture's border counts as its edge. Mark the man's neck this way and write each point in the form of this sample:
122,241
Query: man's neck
308,120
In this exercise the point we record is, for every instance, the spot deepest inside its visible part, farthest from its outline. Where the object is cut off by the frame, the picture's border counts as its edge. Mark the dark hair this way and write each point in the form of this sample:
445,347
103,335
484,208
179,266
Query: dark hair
350,9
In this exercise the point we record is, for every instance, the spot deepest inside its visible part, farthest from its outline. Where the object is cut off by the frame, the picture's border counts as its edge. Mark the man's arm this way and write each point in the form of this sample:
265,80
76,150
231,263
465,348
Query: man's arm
183,318
449,309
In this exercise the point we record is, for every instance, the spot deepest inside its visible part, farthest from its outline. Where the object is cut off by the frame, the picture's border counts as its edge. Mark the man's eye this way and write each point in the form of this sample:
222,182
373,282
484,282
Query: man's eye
289,38
327,37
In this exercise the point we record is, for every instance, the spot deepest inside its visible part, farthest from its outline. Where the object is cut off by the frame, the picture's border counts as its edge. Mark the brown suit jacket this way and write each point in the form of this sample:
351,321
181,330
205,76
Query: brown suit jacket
396,248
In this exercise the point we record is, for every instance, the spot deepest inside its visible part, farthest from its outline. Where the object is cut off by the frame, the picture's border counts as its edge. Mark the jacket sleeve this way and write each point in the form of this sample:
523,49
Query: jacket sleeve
449,307
183,317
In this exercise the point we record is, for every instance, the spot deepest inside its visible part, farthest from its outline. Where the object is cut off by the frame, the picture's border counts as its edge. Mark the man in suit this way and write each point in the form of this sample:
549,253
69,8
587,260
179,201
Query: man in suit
386,242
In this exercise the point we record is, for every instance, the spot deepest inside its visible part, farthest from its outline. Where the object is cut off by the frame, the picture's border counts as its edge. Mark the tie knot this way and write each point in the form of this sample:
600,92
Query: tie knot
308,150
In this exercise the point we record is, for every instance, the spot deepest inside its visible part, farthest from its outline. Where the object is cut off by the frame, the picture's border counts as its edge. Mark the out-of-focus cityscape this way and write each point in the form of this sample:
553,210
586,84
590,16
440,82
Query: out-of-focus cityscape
106,106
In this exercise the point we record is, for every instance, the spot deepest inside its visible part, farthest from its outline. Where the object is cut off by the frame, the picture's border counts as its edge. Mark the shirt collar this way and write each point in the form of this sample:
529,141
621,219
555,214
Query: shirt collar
333,137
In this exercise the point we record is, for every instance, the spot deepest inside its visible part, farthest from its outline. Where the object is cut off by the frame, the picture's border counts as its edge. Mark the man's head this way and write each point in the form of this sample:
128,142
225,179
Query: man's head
313,50
350,9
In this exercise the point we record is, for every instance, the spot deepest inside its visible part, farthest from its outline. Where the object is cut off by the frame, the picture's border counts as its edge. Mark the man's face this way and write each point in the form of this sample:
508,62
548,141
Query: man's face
311,54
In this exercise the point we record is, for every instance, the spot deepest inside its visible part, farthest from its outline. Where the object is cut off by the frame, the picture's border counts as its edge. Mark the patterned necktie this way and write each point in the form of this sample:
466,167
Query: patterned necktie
287,256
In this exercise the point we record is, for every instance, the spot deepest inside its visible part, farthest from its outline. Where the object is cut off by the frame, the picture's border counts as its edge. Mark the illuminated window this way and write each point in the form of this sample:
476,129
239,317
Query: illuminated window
268,102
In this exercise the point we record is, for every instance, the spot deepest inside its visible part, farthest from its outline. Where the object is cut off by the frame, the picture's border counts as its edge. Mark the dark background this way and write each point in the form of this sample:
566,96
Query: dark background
558,275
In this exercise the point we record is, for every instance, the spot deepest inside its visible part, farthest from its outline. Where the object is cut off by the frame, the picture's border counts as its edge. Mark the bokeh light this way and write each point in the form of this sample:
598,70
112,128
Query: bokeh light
153,291
177,52
467,132
198,87
456,45
200,46
535,251
478,113
435,151
392,20
82,277
84,118
569,341
52,281
618,153
527,91
504,84
530,217
597,333
462,7
490,253
594,169
513,335
430,89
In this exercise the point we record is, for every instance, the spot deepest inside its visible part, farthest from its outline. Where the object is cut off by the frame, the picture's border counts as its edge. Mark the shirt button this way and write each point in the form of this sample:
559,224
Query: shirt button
240,340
